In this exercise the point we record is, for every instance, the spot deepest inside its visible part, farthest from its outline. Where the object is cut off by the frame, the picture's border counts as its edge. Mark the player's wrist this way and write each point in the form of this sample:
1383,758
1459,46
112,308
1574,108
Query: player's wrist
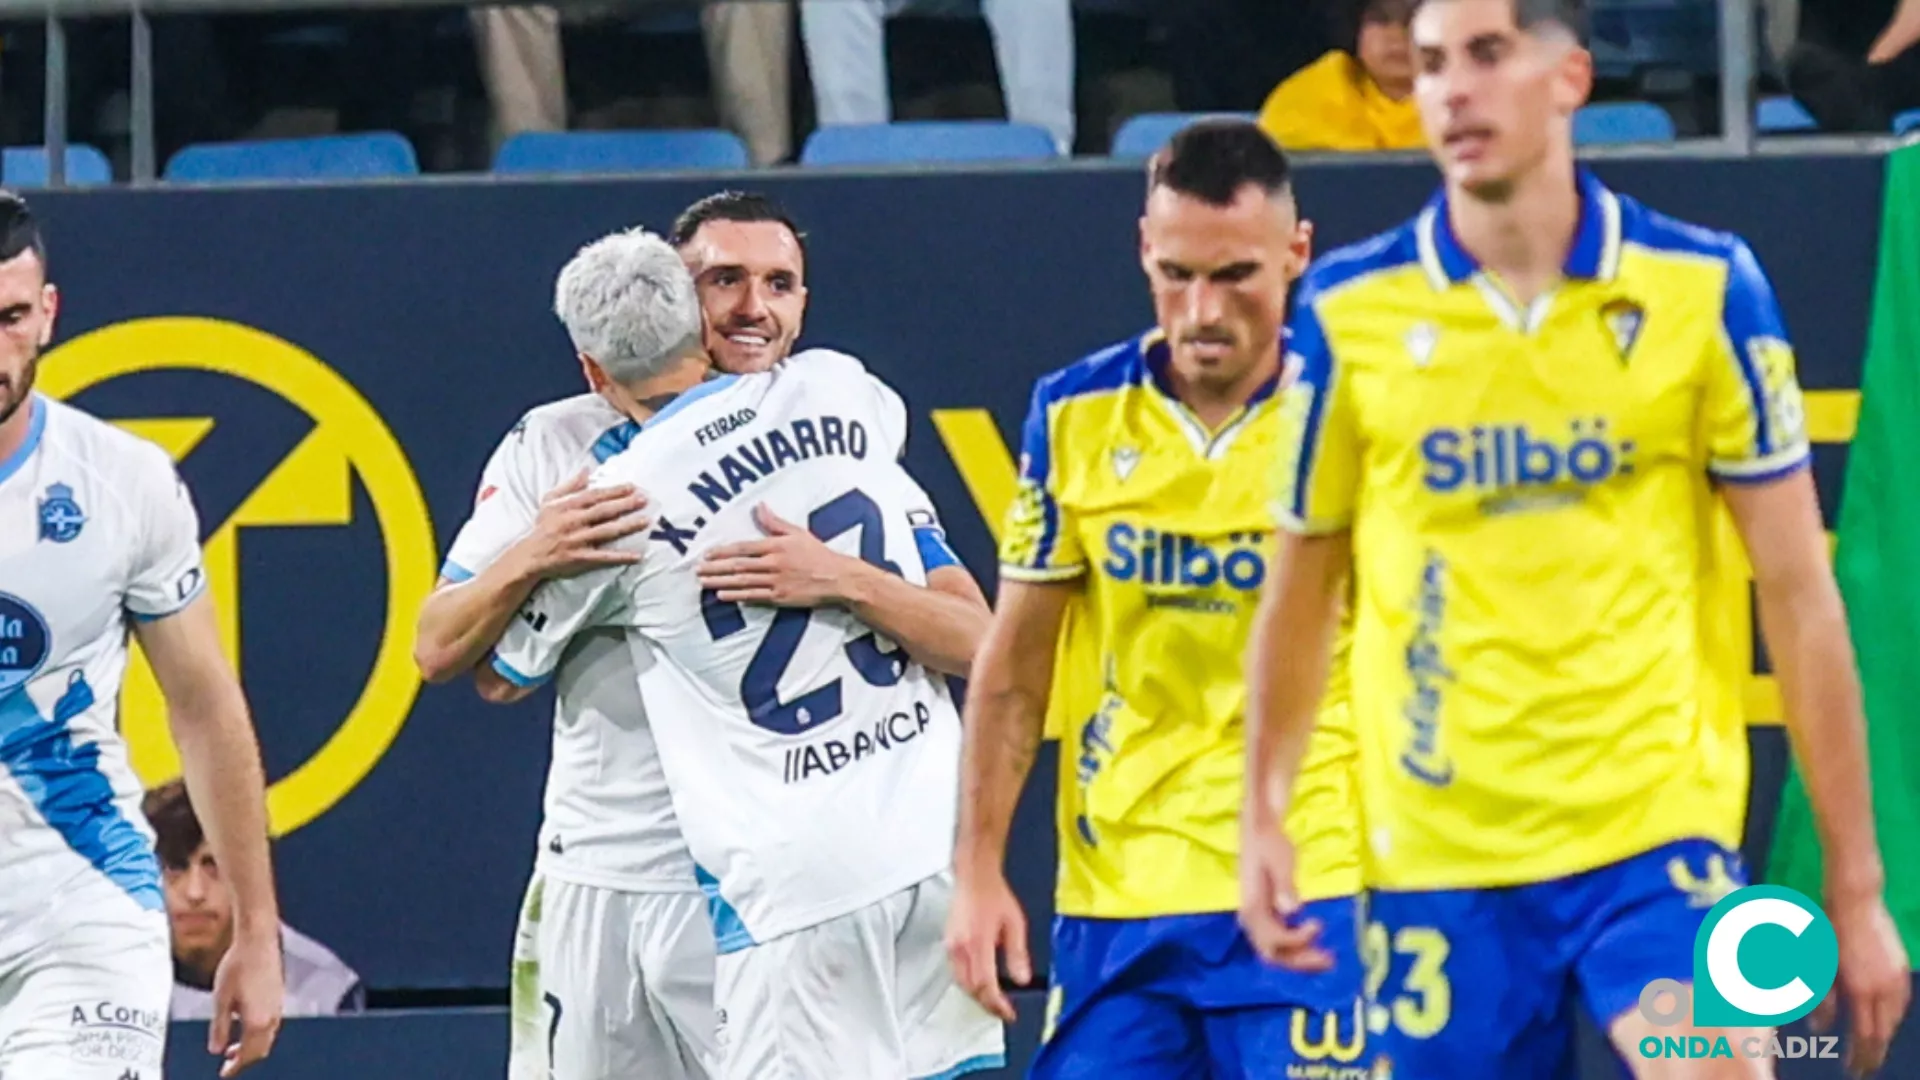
857,582
1854,880
257,930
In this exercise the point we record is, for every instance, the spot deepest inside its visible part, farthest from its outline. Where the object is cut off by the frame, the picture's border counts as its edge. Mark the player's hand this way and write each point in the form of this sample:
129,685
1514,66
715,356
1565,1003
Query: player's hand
1269,905
985,921
249,987
576,523
1874,977
790,567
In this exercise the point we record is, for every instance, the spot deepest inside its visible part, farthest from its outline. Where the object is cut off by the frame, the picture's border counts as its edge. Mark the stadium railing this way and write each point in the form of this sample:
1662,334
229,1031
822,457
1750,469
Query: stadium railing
1738,42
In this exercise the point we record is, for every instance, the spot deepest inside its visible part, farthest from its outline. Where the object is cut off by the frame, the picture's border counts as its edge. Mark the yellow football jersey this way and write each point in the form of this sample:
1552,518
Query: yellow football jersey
1542,682
1165,528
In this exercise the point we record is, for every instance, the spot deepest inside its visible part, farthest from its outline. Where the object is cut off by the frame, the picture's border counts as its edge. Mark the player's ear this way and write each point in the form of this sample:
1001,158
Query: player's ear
49,299
1573,79
1146,260
596,378
1302,246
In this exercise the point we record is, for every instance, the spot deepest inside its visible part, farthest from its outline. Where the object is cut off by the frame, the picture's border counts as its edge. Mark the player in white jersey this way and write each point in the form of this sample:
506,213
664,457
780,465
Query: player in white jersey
98,537
614,963
813,763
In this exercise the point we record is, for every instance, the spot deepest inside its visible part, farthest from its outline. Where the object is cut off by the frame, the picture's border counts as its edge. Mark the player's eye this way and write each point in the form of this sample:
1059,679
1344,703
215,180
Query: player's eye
1176,274
1487,51
1234,274
781,283
1432,61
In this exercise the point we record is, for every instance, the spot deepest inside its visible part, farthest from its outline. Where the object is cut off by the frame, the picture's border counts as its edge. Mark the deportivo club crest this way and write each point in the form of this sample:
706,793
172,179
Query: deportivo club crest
60,517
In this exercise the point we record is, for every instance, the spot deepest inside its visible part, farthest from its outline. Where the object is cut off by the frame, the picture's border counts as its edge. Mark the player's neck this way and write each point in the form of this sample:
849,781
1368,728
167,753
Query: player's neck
1214,403
13,432
644,399
1524,240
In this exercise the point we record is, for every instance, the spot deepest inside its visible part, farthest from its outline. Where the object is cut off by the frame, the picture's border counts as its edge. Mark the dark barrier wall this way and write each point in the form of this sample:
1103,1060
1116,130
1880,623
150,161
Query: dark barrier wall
398,331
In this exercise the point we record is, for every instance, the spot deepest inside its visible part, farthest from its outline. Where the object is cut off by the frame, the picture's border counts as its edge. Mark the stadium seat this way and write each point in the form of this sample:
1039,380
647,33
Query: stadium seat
26,166
619,151
1141,135
324,157
1906,122
1782,113
946,141
1622,122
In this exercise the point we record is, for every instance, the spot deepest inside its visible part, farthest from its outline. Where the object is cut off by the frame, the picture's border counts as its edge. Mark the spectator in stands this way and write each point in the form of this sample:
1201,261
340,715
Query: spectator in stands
201,912
749,49
1228,55
1353,99
1855,66
846,43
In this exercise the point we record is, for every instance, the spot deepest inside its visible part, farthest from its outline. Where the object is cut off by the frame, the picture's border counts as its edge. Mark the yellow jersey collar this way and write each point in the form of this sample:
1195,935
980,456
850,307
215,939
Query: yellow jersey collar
1595,254
1154,355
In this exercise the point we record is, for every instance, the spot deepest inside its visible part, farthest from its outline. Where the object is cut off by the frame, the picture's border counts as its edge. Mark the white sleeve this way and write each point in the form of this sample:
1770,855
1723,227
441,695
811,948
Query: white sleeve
504,508
535,638
892,413
167,573
929,536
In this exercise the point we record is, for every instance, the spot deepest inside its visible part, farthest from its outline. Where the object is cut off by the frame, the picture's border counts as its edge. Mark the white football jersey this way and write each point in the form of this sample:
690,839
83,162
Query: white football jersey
608,820
96,530
814,766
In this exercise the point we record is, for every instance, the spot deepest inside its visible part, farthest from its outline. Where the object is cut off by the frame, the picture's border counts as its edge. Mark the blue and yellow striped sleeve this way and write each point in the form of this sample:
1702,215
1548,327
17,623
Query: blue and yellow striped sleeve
1755,416
1317,472
1039,541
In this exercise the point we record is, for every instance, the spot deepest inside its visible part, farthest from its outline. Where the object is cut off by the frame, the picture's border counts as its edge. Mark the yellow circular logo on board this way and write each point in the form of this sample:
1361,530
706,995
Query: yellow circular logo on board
311,486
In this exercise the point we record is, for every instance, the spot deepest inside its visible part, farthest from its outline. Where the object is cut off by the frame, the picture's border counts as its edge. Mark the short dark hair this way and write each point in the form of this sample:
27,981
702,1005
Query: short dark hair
19,231
176,828
745,206
1530,15
1211,160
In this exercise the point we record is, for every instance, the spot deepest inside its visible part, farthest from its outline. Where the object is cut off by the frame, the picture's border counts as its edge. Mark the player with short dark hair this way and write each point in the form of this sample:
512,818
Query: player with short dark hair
100,544
1517,420
1130,566
749,260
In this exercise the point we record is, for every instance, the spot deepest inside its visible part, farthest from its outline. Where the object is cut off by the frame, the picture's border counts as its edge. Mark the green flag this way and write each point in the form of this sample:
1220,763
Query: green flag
1878,563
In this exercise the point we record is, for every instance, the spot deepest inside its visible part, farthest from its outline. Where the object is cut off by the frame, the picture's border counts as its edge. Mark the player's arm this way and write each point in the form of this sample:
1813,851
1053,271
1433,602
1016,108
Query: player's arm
174,622
531,645
1289,653
1760,454
1041,567
940,624
567,533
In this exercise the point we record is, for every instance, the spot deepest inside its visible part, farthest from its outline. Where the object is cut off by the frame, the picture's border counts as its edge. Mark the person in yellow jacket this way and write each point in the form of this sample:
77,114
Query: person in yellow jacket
1358,100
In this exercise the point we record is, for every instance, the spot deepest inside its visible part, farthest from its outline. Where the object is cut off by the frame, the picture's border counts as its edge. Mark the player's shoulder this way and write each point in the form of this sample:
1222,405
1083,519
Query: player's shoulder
823,364
581,418
105,449
1643,227
1110,369
559,434
1354,264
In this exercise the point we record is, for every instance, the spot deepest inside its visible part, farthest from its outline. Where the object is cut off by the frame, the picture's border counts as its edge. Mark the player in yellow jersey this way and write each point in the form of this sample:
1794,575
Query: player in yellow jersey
1143,507
1515,422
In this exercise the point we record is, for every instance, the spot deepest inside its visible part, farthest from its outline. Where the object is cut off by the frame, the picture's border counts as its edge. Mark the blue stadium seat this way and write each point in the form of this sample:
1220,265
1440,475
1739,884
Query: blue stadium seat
1782,113
619,151
1622,122
945,141
1906,122
323,157
26,166
1141,135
